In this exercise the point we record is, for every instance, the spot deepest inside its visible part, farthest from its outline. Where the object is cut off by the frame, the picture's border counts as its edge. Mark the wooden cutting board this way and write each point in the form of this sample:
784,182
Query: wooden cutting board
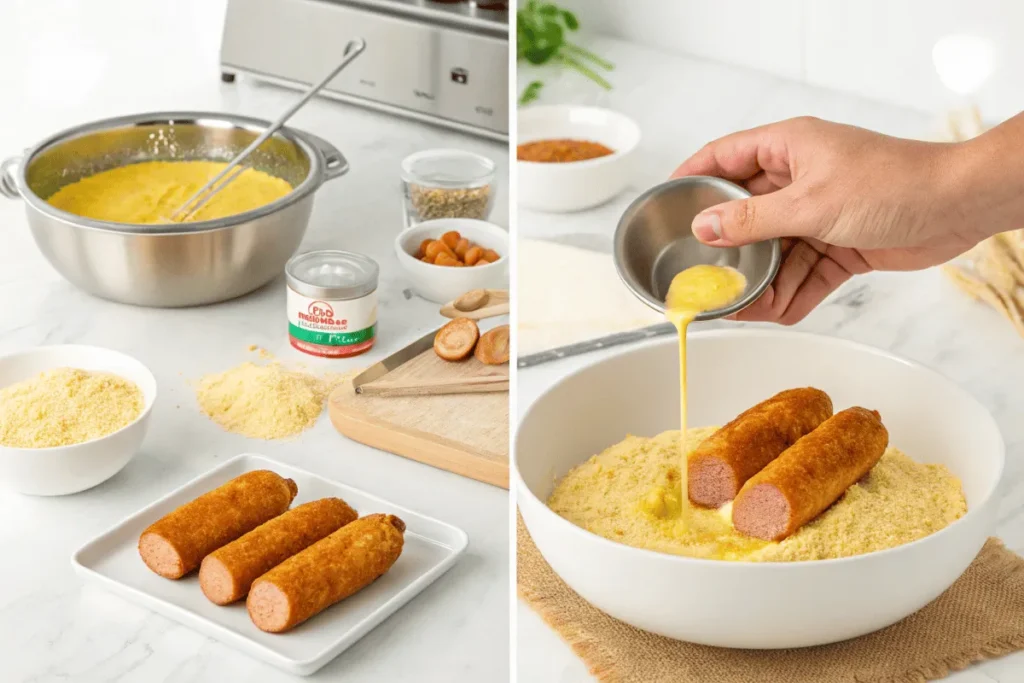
426,374
463,433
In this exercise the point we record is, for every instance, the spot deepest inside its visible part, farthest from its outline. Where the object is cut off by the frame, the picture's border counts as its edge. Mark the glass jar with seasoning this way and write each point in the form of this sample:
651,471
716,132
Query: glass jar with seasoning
332,303
447,183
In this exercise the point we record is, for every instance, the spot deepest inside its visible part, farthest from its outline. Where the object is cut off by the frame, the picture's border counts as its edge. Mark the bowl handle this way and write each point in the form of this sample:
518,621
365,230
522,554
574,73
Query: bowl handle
335,163
8,186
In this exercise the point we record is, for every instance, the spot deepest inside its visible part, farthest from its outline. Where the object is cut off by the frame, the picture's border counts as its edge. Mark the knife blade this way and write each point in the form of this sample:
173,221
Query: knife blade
400,357
597,344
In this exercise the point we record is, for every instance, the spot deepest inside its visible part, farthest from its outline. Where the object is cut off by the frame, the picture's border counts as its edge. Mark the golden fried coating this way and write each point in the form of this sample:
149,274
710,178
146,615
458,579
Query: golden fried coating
227,573
175,544
326,572
809,476
742,448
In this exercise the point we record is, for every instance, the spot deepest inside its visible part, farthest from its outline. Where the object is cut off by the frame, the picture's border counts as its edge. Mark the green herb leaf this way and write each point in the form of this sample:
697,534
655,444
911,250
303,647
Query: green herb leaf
540,55
551,36
540,38
531,92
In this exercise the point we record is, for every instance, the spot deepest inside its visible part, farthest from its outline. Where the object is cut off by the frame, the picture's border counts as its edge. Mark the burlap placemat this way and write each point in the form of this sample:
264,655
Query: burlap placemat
981,616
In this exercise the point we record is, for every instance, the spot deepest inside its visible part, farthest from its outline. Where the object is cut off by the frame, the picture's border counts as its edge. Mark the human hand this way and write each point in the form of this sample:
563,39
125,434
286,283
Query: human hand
845,201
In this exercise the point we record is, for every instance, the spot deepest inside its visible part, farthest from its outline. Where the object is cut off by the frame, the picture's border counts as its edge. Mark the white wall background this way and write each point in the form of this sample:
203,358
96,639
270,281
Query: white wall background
881,49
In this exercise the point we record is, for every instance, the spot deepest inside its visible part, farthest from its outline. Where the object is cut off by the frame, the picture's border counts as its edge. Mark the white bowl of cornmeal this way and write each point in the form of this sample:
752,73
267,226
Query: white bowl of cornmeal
71,417
593,457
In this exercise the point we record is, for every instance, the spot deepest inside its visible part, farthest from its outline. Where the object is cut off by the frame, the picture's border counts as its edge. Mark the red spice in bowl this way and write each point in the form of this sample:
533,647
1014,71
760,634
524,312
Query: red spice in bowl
561,151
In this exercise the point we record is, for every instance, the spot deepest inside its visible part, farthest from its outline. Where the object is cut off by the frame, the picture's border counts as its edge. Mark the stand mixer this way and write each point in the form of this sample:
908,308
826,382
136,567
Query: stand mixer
445,63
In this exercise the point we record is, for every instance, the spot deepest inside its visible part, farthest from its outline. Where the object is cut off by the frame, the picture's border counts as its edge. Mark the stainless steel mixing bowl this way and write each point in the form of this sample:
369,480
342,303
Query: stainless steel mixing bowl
177,264
653,242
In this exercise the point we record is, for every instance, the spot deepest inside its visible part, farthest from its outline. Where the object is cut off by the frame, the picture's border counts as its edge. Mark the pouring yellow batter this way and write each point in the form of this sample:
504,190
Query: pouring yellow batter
635,492
150,191
692,292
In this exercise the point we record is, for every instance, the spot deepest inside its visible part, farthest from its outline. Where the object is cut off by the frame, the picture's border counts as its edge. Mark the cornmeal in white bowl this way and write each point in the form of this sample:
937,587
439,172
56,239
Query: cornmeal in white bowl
631,494
66,406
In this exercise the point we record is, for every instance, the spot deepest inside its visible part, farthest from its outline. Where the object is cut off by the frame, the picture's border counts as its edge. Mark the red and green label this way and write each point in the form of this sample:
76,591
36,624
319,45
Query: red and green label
331,338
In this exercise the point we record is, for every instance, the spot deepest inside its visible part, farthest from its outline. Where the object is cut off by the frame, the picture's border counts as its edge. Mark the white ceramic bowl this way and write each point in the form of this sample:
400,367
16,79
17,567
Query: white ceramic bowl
69,469
576,185
746,604
442,284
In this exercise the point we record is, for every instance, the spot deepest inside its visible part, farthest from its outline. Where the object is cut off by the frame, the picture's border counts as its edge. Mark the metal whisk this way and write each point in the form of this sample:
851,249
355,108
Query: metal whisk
234,169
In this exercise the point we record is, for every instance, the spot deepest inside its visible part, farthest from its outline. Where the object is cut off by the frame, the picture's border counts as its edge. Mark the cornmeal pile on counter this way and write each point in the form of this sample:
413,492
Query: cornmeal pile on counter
66,406
264,401
630,493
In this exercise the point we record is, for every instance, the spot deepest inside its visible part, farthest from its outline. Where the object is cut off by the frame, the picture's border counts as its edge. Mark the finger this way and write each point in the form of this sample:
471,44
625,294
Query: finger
761,310
852,260
760,184
743,221
722,159
742,155
796,267
824,278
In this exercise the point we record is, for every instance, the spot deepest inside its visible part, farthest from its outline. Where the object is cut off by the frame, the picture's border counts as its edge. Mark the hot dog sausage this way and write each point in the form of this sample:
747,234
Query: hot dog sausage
326,572
227,573
720,466
176,544
810,475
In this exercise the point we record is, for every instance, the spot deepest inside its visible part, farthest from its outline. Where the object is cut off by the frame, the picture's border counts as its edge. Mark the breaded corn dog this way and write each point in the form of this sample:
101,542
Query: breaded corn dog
810,475
227,573
720,466
325,573
175,544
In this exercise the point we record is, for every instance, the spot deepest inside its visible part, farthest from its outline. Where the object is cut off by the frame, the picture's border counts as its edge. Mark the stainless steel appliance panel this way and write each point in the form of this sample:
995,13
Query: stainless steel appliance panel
433,70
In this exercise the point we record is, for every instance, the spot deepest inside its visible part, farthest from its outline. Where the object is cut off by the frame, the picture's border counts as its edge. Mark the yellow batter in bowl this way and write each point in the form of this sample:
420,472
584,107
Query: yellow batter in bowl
150,191
631,493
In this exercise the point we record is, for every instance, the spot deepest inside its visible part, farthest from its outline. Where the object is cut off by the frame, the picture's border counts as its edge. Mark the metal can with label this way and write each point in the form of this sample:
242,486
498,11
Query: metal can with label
332,303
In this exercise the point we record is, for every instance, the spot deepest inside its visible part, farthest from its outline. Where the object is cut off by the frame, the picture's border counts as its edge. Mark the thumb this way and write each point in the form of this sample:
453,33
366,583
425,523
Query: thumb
743,221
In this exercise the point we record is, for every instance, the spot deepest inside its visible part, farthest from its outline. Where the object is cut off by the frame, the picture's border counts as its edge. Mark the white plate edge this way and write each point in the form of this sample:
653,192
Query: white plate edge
241,642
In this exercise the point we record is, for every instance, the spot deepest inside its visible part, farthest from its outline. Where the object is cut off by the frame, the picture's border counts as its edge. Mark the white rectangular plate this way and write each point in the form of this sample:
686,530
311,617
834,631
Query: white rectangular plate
431,547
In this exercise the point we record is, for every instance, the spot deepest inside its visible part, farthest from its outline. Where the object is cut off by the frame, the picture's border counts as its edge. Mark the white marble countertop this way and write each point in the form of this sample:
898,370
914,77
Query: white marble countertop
681,104
66,63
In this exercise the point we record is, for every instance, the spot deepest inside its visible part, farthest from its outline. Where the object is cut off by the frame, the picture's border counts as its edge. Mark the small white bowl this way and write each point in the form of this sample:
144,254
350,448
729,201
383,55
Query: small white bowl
442,284
61,470
749,604
575,185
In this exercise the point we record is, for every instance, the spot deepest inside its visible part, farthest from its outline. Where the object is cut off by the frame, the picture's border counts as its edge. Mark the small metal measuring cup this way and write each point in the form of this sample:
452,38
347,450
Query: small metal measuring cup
653,242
